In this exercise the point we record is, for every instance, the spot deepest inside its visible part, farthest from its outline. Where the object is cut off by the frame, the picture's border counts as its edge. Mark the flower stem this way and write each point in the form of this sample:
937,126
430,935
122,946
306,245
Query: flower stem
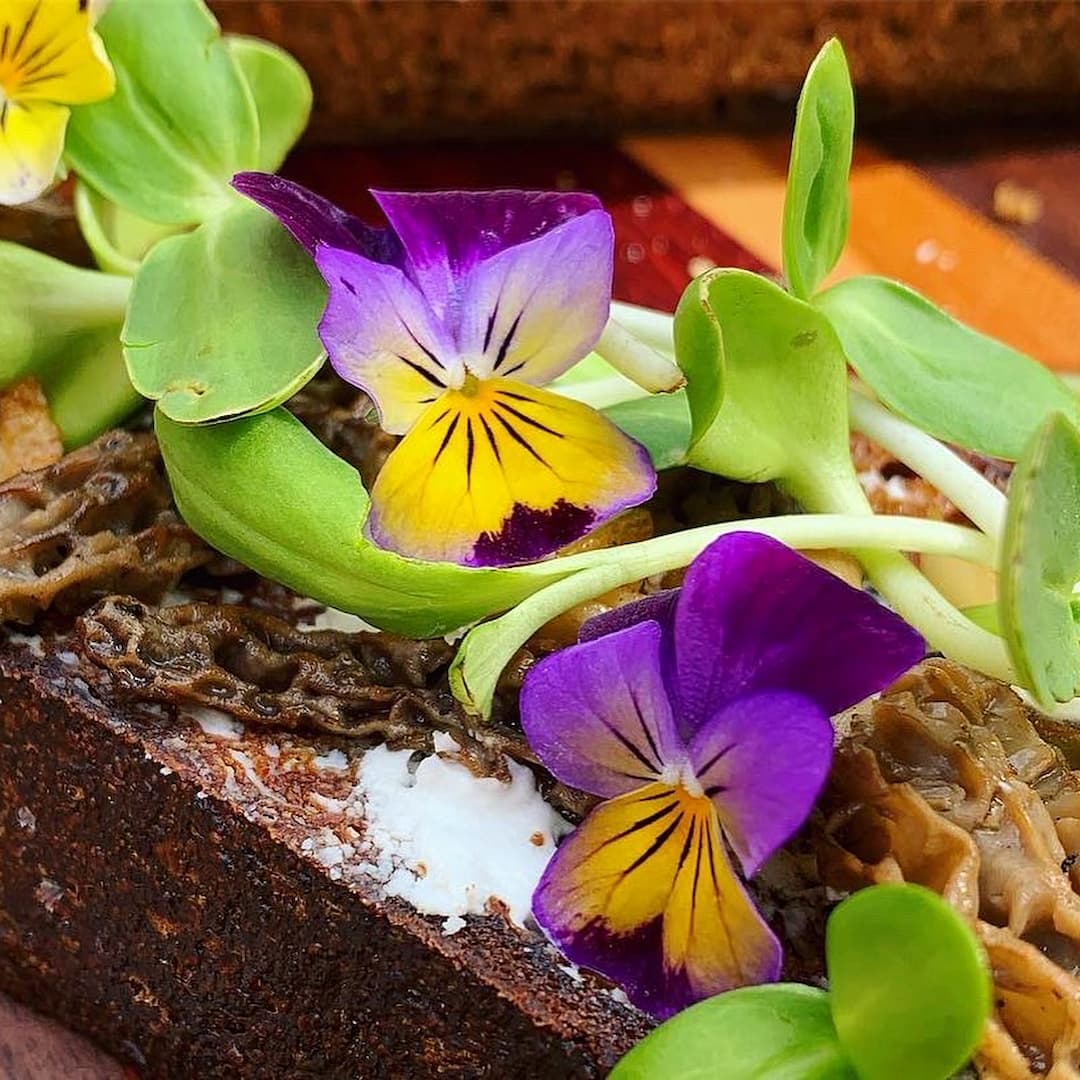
909,592
969,491
638,361
488,648
655,328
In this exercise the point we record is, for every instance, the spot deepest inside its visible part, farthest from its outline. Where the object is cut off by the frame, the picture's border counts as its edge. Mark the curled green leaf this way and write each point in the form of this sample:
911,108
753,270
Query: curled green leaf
222,321
766,384
119,239
816,201
778,1032
62,325
182,120
909,984
946,378
265,491
1040,563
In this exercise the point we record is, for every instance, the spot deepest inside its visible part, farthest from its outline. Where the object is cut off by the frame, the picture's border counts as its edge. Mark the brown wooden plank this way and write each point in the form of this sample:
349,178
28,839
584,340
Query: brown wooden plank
970,165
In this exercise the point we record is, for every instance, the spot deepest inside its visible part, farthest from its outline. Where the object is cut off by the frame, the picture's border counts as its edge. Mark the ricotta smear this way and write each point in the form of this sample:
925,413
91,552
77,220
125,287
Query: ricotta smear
451,843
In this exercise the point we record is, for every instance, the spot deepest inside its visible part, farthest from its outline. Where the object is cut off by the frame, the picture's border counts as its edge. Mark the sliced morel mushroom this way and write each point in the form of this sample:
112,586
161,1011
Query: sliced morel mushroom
28,437
946,782
265,671
98,521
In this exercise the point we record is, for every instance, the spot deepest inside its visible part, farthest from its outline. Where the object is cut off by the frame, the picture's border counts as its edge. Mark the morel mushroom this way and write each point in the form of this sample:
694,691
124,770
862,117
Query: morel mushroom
946,782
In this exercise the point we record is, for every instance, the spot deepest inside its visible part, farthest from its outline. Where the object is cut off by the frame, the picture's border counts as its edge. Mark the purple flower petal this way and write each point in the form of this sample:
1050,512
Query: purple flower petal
754,615
659,608
763,760
532,311
642,892
313,220
381,336
445,234
597,715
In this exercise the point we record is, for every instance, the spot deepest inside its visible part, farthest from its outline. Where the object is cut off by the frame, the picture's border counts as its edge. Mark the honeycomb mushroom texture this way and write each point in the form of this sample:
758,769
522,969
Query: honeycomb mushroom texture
946,782
261,669
100,520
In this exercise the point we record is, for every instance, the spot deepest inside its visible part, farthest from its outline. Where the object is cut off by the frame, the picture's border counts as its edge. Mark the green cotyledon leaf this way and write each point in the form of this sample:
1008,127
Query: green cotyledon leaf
909,983
281,90
948,379
660,422
181,122
766,383
282,94
119,239
265,491
1040,563
222,321
61,324
777,1032
816,200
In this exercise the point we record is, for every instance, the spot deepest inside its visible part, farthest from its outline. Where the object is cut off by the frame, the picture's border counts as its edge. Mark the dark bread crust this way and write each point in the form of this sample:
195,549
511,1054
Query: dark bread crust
149,900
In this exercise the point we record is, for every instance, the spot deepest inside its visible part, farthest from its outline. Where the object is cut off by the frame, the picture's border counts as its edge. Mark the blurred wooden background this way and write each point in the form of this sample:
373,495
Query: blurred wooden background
479,68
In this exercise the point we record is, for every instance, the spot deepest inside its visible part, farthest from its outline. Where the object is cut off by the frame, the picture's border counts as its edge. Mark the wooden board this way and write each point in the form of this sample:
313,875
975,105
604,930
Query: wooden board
682,204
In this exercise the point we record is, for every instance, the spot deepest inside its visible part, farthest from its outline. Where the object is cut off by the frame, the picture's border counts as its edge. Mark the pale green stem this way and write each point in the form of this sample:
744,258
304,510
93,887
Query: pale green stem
638,361
655,328
912,596
488,648
895,577
968,489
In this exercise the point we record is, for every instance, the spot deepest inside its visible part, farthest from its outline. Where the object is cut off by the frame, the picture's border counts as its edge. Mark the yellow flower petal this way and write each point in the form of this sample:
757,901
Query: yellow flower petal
643,892
50,52
499,472
31,142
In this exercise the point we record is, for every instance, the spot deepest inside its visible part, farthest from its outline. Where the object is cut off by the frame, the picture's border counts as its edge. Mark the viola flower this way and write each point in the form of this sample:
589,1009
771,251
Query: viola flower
50,58
702,718
451,320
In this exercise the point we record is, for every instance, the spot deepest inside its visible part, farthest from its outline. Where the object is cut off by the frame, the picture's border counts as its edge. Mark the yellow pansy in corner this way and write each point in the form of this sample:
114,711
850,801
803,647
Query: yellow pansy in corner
50,59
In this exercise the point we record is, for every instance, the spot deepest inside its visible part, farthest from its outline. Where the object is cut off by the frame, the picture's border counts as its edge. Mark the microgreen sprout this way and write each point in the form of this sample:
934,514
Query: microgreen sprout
909,995
154,159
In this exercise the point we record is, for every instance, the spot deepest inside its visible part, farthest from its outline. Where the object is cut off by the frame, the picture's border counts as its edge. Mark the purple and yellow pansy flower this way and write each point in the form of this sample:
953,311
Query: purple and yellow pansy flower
452,320
702,718
50,58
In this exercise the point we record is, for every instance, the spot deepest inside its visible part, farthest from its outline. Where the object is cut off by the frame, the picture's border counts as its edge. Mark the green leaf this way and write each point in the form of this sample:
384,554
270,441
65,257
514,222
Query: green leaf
90,393
660,422
119,239
62,325
265,491
909,983
777,1032
182,120
948,379
1040,563
222,321
816,201
282,94
766,383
